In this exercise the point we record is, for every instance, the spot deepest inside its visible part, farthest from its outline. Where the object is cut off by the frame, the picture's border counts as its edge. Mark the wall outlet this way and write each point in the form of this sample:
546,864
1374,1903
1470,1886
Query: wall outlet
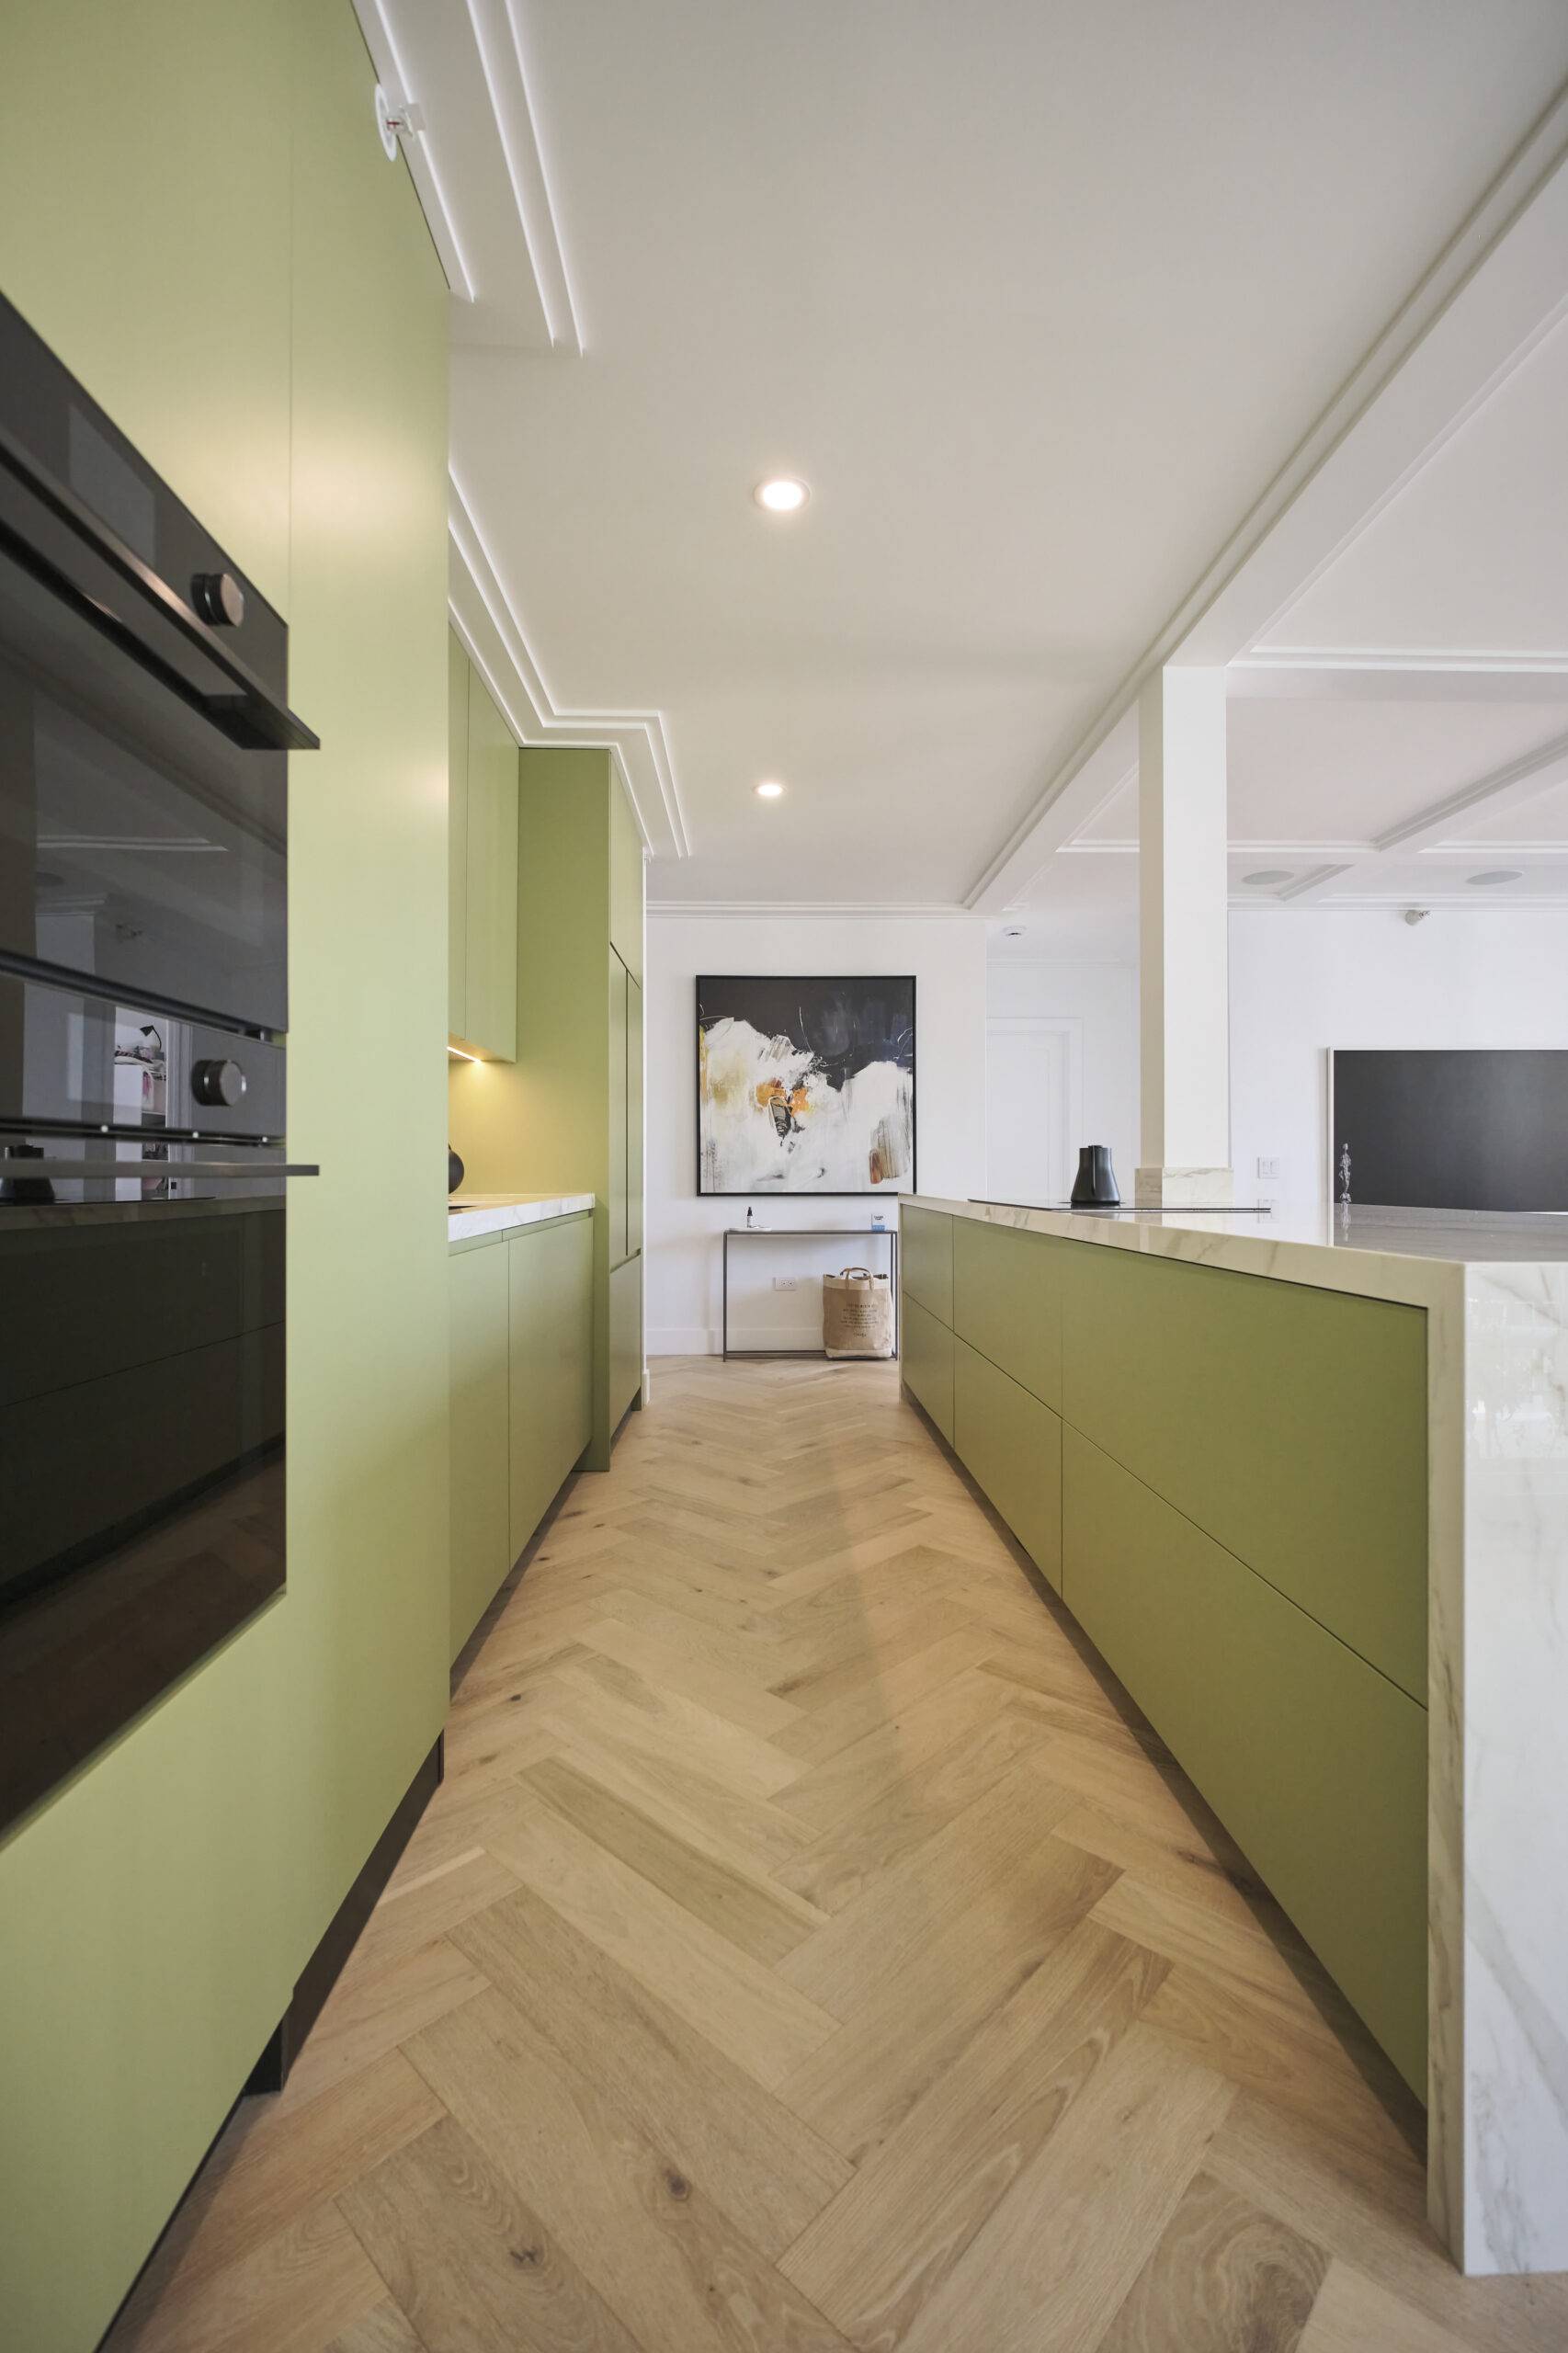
786,1282
1269,1168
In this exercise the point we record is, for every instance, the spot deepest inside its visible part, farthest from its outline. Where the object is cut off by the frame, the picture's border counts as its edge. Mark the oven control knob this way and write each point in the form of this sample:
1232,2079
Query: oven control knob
218,598
218,1082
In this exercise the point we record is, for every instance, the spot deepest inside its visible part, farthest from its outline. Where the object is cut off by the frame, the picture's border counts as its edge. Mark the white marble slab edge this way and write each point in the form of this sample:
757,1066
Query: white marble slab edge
476,1213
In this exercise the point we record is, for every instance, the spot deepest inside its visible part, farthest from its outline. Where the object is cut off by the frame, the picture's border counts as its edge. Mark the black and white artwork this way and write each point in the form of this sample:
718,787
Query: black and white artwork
806,1086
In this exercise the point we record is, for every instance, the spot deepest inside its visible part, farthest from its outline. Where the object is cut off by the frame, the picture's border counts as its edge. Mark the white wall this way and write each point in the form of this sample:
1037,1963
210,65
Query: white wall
1306,980
1097,1002
681,1277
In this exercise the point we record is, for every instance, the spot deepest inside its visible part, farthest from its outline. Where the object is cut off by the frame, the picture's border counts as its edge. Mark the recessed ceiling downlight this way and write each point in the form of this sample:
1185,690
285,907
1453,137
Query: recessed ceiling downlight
1484,880
781,494
1267,874
769,791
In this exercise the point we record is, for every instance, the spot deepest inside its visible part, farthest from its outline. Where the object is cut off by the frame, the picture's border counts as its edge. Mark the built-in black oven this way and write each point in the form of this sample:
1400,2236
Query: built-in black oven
144,730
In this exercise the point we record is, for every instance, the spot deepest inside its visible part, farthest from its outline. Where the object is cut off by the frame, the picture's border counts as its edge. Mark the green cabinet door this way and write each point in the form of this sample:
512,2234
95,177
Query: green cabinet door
927,1348
926,1249
1315,1763
457,838
481,1505
1011,1445
491,893
625,1339
1007,1301
633,1116
551,1271
625,884
619,1066
1290,1423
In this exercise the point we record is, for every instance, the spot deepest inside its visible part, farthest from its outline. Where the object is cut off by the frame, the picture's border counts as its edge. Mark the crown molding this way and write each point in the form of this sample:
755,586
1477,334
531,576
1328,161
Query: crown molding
487,622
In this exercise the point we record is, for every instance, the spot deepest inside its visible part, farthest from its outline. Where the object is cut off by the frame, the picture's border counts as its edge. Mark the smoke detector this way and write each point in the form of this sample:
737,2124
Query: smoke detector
1417,914
1012,931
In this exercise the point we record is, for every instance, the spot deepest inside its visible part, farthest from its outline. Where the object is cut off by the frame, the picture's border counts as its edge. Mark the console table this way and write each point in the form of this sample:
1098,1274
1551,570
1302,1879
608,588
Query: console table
859,1233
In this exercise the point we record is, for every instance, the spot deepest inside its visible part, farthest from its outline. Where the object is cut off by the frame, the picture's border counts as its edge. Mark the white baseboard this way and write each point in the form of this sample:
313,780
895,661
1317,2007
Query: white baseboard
682,1340
696,1340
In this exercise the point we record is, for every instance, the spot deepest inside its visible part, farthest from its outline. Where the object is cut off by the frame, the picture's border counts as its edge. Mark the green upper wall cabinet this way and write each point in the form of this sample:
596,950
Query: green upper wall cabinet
482,864
1288,1423
459,672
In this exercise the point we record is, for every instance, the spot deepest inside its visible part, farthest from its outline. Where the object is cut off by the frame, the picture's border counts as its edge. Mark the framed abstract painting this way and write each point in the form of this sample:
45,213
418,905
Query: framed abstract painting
806,1086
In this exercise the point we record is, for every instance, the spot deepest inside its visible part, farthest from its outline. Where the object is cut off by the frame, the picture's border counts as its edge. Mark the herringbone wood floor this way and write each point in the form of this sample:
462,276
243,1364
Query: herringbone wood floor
809,1949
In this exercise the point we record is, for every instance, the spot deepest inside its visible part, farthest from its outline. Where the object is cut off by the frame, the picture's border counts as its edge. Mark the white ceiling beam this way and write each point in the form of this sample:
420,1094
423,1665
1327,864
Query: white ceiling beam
1495,290
1431,828
1449,677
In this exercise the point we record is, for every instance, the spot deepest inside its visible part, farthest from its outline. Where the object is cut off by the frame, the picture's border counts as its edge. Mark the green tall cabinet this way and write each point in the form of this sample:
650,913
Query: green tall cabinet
568,1116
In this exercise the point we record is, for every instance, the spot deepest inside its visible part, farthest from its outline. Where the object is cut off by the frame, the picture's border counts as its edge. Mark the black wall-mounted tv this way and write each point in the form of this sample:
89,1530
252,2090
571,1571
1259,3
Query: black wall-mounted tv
1462,1128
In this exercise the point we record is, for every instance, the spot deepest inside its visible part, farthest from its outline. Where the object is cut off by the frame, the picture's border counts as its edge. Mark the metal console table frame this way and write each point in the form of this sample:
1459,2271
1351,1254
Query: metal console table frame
888,1234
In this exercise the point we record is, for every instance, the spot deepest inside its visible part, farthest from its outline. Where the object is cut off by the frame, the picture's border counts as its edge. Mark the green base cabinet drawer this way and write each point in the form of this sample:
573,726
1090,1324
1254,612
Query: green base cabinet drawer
1011,1445
1290,1423
1315,1763
552,1271
481,1510
1007,1301
927,1347
925,1247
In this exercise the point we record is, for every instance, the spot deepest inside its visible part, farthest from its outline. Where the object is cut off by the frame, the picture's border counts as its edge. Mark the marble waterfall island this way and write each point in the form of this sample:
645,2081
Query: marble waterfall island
1303,1481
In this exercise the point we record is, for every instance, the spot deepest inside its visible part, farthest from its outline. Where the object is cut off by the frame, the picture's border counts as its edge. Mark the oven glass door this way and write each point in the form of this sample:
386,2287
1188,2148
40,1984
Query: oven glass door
141,847
141,1443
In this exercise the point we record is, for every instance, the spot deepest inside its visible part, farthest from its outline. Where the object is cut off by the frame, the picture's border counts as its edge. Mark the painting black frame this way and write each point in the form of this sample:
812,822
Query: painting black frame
821,980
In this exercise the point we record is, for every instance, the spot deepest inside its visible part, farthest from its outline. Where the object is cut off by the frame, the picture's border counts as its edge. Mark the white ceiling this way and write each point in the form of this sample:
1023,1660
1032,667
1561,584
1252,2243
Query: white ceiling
1040,299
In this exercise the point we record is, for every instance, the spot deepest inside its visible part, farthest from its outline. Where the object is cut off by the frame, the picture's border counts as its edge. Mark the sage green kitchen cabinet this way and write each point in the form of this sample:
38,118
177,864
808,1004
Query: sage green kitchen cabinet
550,1304
634,1117
619,1067
481,867
568,1116
625,1339
1315,1761
457,675
491,878
1288,1423
926,1249
1006,1301
925,1347
198,216
1012,1446
481,1398
626,886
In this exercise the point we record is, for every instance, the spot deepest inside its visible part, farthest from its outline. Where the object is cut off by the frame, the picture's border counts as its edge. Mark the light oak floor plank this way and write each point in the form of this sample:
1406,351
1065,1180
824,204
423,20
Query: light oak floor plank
812,1948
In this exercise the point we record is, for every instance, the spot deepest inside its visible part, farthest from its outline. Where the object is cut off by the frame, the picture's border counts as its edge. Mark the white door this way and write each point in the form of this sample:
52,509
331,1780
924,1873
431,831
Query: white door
1031,1089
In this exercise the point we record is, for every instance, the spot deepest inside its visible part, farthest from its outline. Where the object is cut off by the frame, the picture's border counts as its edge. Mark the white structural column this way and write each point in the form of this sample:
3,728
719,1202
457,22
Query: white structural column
1184,1006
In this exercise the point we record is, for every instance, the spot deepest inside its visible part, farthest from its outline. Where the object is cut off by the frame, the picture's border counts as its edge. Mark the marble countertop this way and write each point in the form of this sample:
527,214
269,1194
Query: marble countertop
1407,1255
469,1214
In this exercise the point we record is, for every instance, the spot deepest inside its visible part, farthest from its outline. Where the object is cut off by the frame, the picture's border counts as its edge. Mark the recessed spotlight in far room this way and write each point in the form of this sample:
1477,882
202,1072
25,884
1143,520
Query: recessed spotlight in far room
769,792
783,494
1012,931
1484,880
1267,874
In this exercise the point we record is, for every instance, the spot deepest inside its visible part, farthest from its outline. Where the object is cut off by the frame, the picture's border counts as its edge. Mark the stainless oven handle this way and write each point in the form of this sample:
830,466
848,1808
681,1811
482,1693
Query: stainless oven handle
22,1171
251,716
